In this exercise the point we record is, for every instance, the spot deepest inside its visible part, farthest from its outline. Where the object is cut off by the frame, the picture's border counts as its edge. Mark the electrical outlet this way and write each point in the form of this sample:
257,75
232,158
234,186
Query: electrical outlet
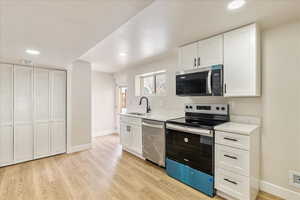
294,178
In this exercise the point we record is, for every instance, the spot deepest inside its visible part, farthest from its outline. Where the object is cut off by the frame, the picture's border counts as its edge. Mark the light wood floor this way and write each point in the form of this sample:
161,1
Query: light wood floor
102,173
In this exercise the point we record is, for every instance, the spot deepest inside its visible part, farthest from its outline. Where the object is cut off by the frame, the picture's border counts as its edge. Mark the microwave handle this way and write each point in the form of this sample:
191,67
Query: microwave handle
209,82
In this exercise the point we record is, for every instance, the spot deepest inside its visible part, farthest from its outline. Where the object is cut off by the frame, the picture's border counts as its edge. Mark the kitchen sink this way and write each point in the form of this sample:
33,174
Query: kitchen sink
136,113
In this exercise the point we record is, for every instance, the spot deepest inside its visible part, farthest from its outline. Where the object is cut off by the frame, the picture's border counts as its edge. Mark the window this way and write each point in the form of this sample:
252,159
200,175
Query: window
151,84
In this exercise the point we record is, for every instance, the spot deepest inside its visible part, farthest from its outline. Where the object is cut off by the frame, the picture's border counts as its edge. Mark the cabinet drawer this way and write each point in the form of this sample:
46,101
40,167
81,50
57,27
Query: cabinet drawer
232,159
131,120
233,140
232,184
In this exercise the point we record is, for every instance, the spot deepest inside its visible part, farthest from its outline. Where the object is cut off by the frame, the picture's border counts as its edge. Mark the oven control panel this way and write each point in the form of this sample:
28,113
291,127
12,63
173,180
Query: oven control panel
221,109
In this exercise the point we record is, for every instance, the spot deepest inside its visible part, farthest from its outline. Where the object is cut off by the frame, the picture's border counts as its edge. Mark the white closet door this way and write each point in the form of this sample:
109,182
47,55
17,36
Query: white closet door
58,130
6,115
23,113
42,113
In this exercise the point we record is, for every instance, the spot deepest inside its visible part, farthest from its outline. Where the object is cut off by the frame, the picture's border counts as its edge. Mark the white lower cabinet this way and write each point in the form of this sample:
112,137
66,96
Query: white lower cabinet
237,164
131,134
234,185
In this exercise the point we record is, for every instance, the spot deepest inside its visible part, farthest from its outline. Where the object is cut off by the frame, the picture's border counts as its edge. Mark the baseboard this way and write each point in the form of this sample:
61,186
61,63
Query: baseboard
279,191
104,132
81,147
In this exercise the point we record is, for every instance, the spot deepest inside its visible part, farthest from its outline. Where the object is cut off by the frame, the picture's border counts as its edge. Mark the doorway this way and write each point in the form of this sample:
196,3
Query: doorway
121,102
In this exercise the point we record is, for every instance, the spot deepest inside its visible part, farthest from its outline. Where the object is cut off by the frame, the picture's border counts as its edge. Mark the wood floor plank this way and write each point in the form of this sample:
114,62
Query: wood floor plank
104,172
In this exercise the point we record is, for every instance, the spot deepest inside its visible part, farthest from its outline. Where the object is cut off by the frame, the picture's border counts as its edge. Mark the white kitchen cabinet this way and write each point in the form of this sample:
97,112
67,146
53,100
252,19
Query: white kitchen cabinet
136,134
6,114
188,56
242,62
237,161
23,113
201,54
131,135
210,51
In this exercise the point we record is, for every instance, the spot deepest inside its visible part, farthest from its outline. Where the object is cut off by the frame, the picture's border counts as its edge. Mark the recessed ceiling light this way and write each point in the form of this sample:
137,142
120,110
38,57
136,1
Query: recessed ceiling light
123,54
236,4
32,52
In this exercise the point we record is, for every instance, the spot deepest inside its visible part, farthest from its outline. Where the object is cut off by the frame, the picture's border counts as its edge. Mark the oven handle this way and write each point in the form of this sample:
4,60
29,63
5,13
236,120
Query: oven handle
196,131
209,82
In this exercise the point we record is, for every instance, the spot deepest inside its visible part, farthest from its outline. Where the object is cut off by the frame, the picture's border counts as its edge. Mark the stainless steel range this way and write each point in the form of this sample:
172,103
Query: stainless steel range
190,145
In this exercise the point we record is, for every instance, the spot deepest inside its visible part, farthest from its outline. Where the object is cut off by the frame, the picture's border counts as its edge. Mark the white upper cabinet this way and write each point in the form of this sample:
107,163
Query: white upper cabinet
201,54
188,56
242,62
210,51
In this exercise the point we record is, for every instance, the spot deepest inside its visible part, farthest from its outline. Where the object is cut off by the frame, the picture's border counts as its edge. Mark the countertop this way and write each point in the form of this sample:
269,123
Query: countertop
233,127
155,116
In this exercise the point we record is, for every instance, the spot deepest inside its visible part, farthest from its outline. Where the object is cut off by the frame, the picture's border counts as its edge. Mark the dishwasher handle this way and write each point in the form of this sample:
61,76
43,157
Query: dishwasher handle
153,125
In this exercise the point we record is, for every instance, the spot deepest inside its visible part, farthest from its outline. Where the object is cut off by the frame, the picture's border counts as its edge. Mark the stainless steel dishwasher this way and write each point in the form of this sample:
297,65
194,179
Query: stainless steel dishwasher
154,141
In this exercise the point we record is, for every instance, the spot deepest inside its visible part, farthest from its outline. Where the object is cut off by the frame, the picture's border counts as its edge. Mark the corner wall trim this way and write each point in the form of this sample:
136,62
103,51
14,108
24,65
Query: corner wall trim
81,147
279,191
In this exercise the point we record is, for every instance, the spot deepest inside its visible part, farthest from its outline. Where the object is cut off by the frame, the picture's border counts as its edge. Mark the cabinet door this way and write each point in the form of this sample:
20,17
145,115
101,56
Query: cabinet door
58,133
187,56
210,51
23,113
42,112
58,112
123,134
6,114
58,96
136,138
241,62
42,140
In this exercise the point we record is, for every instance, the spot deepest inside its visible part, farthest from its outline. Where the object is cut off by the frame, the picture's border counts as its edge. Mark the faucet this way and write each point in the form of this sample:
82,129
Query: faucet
147,101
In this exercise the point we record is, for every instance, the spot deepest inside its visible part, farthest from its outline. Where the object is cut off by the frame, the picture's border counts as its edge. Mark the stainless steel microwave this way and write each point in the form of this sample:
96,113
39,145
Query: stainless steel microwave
206,81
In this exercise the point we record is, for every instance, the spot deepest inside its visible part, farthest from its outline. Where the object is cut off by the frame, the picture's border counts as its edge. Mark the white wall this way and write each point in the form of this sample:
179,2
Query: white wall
279,106
103,103
81,103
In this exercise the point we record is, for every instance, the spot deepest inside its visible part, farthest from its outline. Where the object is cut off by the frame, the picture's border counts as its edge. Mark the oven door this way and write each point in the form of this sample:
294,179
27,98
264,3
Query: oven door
191,146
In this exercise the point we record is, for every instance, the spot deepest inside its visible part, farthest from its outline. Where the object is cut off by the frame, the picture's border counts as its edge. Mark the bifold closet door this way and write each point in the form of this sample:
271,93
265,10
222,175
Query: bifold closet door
58,112
42,139
6,115
23,113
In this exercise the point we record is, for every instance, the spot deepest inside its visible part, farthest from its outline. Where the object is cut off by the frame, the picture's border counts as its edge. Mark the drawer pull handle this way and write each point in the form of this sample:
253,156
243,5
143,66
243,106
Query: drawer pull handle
231,139
186,160
233,182
232,157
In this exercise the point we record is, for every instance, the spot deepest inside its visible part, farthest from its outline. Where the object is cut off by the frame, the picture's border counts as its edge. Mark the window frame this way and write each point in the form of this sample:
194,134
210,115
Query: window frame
154,75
